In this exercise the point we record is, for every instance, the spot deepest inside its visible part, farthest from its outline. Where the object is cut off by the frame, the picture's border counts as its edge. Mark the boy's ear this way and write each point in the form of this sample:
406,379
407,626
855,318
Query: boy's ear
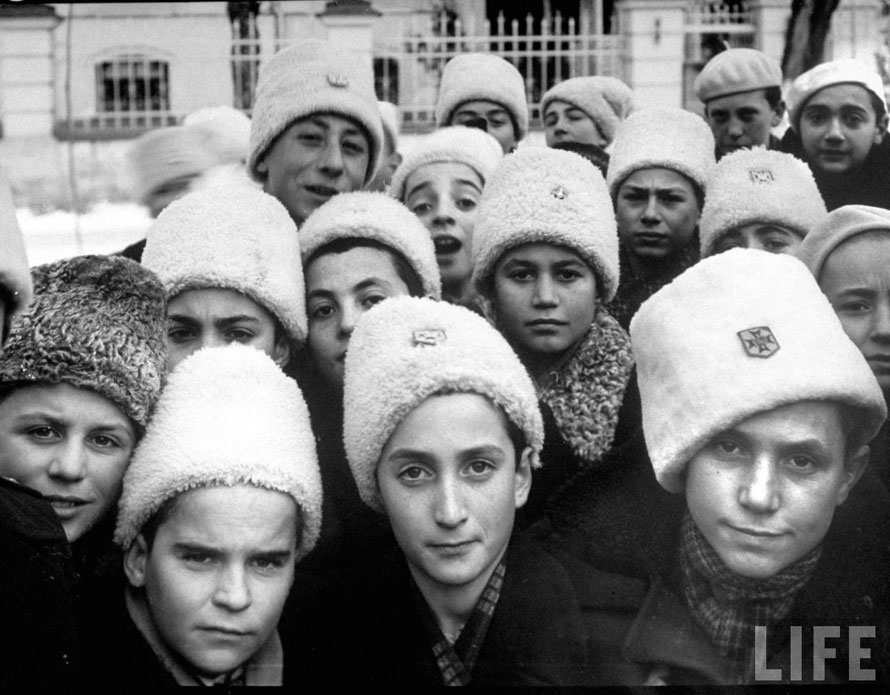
778,112
261,166
134,561
522,483
854,467
281,351
881,129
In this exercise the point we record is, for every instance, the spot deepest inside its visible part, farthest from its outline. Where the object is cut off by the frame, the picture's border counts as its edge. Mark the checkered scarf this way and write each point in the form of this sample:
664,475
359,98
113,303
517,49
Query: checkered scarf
456,661
729,606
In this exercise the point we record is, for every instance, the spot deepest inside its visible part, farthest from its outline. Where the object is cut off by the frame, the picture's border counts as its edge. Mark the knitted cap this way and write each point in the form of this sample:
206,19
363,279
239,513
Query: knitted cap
543,195
471,146
98,323
408,349
374,216
835,228
737,70
228,416
740,333
472,76
607,100
165,154
15,279
391,118
846,70
309,78
227,127
759,185
662,137
232,237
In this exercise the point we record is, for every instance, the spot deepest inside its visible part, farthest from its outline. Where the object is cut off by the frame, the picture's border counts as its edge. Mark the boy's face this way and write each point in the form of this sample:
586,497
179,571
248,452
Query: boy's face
765,236
500,125
314,159
564,122
450,485
544,298
839,126
215,317
763,492
71,445
742,120
218,573
856,280
444,196
340,287
164,194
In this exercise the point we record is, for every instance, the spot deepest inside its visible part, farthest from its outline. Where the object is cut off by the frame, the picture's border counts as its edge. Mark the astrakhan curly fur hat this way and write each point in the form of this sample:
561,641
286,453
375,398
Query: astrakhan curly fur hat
737,70
227,416
662,137
98,323
232,237
741,333
377,217
471,146
407,349
308,78
485,76
607,100
543,195
835,228
759,185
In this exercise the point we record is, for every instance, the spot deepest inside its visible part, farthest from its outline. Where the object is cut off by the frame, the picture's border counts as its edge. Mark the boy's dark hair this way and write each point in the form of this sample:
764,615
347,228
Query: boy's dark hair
773,96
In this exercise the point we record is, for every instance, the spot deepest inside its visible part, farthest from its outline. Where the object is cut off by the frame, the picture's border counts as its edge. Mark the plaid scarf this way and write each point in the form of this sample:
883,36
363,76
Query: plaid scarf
456,661
729,606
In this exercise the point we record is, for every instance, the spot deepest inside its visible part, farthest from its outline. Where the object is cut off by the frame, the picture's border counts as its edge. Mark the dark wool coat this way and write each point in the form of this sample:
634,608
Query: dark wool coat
38,636
869,184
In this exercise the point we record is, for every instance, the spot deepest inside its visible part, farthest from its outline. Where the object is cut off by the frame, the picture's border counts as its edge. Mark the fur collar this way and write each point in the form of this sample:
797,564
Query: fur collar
585,393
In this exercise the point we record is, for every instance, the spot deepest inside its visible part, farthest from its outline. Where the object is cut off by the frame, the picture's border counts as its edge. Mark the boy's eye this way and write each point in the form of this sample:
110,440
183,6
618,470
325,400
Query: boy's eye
197,559
466,204
373,299
775,245
103,441
480,467
567,275
854,306
413,474
42,432
727,449
321,312
521,275
239,335
353,147
268,564
800,462
178,334
421,208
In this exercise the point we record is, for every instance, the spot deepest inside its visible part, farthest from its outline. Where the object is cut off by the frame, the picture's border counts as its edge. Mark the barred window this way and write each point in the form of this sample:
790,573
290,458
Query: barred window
132,83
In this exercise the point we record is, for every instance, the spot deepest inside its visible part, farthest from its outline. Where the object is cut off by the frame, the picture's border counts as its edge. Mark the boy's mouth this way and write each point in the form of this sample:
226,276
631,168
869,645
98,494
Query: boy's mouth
446,245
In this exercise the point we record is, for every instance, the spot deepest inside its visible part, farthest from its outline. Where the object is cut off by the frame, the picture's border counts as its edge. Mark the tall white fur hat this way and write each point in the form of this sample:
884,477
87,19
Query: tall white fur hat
228,128
543,195
607,100
662,137
227,416
472,76
759,185
377,217
165,154
740,333
232,237
845,70
835,228
407,349
737,70
471,146
309,78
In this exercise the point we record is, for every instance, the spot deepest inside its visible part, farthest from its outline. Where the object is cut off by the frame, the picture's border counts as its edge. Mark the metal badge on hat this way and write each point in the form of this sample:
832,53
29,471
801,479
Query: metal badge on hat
759,341
428,336
761,175
559,193
337,79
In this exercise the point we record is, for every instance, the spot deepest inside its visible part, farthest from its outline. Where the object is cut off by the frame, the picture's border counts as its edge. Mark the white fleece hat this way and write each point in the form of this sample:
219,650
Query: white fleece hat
228,416
737,334
228,128
835,228
15,278
309,78
843,71
391,118
232,237
607,100
407,349
377,217
737,70
472,76
544,195
662,137
471,146
165,154
759,185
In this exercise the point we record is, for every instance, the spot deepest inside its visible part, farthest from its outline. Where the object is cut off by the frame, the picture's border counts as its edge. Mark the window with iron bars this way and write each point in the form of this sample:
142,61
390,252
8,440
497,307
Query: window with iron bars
132,84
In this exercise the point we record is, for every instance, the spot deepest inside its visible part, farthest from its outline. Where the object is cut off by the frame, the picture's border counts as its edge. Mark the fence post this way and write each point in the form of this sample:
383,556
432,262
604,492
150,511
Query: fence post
654,32
350,25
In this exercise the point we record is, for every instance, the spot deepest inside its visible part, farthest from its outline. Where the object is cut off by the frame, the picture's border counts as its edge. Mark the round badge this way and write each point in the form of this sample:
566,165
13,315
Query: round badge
559,193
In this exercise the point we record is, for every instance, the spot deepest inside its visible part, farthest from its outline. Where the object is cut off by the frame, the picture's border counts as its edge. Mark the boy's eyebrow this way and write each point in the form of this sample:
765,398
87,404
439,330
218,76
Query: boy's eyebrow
183,318
282,555
488,450
418,187
195,547
238,318
807,445
410,454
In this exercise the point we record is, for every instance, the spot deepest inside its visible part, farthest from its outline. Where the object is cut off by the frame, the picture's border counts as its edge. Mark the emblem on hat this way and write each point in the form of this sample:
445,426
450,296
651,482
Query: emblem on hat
761,175
428,336
337,79
559,193
759,341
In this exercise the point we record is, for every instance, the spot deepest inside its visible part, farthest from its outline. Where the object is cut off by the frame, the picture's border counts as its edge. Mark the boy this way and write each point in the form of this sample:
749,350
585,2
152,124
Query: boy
391,118
742,92
838,117
586,110
222,500
316,128
229,260
442,431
